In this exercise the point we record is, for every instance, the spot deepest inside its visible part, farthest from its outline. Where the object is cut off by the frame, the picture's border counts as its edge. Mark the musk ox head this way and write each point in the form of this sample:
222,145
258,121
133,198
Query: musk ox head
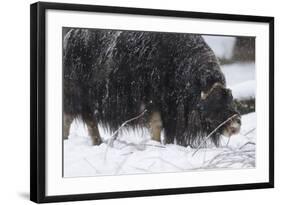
218,110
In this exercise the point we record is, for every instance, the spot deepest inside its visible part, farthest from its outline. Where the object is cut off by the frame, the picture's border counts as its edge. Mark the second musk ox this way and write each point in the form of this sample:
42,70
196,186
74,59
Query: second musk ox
112,76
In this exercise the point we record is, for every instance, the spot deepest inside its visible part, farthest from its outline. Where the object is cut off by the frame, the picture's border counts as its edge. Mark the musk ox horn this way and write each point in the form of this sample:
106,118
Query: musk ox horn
205,95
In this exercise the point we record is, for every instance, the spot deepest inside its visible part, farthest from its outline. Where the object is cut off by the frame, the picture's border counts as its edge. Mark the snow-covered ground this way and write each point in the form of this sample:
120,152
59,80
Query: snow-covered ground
135,153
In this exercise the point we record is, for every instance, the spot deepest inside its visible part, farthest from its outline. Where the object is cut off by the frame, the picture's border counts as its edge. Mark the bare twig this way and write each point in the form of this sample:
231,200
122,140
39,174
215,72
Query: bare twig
213,133
228,158
165,161
249,131
97,171
228,142
139,146
119,167
247,143
113,137
141,169
144,169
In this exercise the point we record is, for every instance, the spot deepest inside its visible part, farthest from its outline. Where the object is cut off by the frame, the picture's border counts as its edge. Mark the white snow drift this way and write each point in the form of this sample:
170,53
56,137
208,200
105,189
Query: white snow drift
134,153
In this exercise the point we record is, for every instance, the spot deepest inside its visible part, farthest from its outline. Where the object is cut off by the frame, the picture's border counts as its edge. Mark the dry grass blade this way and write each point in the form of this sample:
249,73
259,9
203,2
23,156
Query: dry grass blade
113,136
200,145
250,131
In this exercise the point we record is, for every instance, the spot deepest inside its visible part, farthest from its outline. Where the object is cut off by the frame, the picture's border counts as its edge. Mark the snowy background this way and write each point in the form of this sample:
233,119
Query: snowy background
134,153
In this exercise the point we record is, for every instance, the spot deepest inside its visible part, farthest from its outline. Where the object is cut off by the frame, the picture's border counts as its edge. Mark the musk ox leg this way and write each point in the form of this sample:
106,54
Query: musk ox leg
67,120
169,133
155,126
93,130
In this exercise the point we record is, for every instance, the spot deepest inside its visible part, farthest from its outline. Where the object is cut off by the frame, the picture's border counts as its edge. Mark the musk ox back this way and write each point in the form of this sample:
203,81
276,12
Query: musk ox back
112,76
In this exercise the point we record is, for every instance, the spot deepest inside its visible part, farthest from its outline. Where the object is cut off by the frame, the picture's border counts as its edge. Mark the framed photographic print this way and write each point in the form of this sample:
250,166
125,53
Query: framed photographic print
129,102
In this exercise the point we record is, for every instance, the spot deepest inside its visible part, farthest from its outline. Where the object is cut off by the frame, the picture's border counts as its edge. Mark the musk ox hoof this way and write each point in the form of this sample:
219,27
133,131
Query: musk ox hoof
96,141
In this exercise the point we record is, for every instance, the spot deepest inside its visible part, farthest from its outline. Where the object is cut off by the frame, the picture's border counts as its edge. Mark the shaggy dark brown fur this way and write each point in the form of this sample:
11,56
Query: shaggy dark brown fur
111,76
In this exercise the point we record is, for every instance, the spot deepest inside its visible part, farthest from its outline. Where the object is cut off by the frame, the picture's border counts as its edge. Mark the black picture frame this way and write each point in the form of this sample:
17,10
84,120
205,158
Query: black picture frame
38,100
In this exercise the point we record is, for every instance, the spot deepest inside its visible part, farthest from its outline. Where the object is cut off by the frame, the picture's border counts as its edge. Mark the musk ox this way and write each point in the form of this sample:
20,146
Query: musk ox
111,76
